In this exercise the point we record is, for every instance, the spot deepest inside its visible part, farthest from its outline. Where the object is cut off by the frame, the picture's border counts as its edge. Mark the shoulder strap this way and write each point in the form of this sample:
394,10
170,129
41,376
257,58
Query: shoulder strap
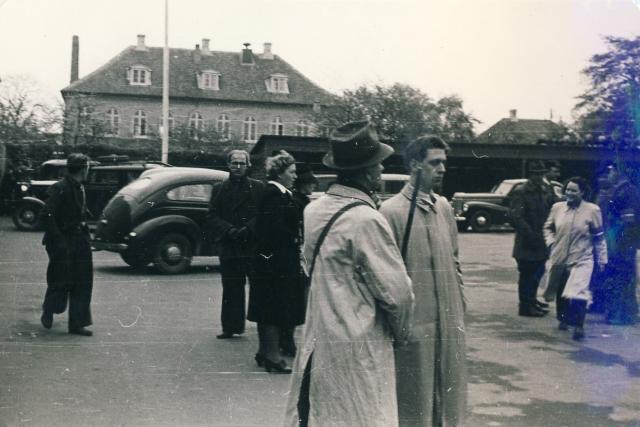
325,231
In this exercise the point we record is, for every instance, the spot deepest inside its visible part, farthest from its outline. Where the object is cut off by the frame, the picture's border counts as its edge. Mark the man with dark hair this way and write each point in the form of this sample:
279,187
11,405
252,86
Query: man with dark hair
66,239
552,178
529,209
360,297
232,216
430,370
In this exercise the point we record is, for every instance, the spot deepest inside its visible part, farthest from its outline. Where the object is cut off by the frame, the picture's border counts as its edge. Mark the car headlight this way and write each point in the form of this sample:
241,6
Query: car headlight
465,207
24,188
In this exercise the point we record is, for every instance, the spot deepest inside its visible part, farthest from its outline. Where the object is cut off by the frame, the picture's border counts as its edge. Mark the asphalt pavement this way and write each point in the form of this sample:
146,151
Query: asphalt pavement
154,359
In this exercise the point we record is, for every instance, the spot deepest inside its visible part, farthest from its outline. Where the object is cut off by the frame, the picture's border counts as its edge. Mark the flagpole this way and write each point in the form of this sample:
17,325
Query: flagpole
165,86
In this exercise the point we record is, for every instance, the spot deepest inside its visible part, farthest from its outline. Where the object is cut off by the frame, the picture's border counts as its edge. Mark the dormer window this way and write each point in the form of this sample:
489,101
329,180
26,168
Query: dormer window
209,80
278,83
139,75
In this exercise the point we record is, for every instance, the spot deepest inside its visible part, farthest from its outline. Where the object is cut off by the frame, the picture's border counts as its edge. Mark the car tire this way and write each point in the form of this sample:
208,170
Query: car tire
480,221
27,217
135,259
173,254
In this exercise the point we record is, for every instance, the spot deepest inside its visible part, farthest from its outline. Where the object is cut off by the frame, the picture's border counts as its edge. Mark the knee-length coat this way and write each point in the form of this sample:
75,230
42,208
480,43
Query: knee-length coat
433,363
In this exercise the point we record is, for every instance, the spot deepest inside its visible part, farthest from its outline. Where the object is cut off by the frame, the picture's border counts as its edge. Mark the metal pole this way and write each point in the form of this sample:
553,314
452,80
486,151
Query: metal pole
165,86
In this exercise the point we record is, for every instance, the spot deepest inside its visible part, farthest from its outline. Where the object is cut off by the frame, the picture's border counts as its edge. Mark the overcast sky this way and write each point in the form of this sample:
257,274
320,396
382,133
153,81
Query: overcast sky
495,54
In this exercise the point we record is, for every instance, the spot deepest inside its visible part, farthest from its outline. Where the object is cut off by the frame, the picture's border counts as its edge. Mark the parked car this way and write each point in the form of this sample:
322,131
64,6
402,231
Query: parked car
106,177
160,219
481,211
390,184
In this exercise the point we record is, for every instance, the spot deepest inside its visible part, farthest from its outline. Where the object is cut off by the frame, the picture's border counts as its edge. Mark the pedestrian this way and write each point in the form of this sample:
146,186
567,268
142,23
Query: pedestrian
231,220
623,241
552,178
431,369
276,301
303,187
529,208
67,241
360,297
573,232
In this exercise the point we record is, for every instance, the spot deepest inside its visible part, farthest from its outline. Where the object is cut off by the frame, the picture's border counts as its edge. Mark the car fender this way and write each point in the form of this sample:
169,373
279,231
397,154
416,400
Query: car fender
152,228
475,205
30,200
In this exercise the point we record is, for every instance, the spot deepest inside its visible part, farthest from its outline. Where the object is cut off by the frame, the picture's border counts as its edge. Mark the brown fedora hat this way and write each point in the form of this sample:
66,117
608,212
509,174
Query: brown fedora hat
355,145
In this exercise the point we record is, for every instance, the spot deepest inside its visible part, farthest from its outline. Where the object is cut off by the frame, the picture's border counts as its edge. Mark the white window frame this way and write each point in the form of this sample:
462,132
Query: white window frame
140,125
249,129
139,75
278,83
196,124
222,126
209,80
113,122
277,126
302,128
86,120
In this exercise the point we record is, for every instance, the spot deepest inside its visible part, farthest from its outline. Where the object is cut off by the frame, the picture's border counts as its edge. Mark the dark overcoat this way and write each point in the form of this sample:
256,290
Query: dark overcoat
277,295
529,208
234,203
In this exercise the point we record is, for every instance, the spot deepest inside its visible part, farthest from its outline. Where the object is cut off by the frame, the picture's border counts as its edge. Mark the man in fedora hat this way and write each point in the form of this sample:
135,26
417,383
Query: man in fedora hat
529,209
360,296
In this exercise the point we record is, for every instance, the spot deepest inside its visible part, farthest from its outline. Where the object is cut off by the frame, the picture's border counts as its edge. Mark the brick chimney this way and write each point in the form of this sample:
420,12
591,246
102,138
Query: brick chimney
205,47
197,56
141,45
247,55
266,51
75,51
513,115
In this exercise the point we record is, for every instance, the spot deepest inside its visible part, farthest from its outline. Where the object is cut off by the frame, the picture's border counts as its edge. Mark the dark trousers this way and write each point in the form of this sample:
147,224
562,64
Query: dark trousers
568,310
70,277
235,272
530,274
620,284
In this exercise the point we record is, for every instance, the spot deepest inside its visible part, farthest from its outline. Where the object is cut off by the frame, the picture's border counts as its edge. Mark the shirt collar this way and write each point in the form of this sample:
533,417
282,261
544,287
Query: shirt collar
280,187
341,190
424,200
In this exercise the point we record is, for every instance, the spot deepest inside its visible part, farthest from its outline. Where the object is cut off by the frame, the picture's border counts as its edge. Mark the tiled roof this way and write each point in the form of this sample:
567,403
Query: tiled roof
520,131
237,82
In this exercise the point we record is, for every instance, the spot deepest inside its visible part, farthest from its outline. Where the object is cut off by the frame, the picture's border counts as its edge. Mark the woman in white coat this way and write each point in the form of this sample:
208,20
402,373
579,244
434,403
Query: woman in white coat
572,231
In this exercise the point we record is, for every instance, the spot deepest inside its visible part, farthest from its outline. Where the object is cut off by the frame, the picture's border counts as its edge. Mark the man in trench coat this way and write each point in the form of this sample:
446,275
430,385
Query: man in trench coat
66,239
431,379
360,296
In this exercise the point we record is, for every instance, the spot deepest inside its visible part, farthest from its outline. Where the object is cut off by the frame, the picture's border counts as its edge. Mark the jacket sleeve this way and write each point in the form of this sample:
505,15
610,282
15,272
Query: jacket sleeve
217,225
517,210
549,228
379,264
49,212
597,235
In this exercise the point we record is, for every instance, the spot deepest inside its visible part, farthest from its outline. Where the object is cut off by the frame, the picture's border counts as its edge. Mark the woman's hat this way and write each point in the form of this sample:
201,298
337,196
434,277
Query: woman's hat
355,145
305,174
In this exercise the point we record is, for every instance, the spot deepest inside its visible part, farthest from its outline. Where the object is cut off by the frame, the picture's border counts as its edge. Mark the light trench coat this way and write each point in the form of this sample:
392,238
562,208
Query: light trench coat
360,299
432,365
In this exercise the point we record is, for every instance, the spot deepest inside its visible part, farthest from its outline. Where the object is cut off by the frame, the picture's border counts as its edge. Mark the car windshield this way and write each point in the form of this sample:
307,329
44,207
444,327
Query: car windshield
503,188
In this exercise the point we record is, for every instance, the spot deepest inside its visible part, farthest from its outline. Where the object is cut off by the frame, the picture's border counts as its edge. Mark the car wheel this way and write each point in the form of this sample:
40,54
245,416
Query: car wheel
173,254
27,217
480,221
135,259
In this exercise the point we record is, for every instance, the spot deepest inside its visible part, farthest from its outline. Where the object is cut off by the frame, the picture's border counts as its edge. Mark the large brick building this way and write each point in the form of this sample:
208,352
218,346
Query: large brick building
236,95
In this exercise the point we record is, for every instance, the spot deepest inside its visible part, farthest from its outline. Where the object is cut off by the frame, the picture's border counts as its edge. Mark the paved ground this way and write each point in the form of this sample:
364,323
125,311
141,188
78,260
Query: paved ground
154,360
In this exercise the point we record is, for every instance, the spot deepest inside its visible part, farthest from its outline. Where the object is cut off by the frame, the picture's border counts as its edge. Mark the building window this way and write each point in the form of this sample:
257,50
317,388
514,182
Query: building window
113,121
86,121
196,124
139,124
223,126
325,130
277,127
302,128
249,129
139,75
209,80
277,83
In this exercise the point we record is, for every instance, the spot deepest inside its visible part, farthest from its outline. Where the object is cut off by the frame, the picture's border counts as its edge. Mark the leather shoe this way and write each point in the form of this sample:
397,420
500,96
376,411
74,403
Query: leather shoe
81,331
46,319
541,305
578,333
225,335
531,311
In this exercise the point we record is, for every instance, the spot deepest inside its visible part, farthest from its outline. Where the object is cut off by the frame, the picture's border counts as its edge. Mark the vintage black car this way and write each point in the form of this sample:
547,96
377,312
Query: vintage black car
160,219
481,211
390,184
106,177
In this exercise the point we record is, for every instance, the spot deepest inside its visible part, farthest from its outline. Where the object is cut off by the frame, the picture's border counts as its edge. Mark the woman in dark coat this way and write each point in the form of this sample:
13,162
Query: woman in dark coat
276,299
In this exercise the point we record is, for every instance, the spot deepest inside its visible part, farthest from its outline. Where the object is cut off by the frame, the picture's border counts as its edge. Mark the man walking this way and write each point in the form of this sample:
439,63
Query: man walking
232,215
431,370
66,239
530,206
360,297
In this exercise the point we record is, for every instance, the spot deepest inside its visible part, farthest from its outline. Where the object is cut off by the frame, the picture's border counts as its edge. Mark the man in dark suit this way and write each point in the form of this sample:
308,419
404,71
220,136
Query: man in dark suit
232,215
530,206
66,238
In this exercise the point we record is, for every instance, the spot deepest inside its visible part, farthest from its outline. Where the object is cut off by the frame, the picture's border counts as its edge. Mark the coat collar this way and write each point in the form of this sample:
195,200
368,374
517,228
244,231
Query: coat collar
340,190
282,188
426,201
